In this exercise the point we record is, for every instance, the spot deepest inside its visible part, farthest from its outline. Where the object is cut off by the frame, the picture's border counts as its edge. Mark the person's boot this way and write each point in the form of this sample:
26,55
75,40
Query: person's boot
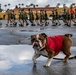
15,24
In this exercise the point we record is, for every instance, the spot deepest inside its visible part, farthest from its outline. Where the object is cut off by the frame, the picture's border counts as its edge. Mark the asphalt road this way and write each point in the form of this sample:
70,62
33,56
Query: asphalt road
20,36
17,60
56,68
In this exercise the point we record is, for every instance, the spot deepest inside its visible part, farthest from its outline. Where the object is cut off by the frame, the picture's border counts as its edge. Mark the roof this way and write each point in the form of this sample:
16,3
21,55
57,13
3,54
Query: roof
35,9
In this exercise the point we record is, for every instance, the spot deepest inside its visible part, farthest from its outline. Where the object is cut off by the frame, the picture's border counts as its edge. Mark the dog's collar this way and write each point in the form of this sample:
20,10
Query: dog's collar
41,49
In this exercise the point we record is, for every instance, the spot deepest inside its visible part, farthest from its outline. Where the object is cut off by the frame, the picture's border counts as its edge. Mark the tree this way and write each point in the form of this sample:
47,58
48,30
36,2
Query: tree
22,5
36,5
5,7
47,6
64,5
58,5
19,5
0,8
73,4
16,6
27,6
9,5
31,4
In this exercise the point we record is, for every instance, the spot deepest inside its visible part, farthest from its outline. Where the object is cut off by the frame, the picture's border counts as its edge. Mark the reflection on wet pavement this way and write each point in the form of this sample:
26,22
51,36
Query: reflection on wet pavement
11,55
17,60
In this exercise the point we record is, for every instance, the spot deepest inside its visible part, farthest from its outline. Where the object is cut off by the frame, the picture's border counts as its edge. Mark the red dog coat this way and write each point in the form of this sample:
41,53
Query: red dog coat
55,43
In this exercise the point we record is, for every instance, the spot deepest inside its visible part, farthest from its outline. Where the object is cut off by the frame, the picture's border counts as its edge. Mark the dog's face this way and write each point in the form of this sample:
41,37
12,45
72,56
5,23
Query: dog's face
38,41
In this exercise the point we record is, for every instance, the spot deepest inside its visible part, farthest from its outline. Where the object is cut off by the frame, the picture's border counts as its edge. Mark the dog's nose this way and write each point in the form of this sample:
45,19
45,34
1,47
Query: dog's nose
35,44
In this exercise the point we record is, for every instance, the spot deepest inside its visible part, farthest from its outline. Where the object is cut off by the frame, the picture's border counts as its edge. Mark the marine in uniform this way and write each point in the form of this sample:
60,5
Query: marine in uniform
37,17
42,17
54,18
64,15
21,17
46,18
31,17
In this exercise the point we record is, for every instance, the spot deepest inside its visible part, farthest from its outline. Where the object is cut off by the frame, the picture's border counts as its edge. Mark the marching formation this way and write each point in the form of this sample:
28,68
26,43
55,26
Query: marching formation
67,15
27,17
41,17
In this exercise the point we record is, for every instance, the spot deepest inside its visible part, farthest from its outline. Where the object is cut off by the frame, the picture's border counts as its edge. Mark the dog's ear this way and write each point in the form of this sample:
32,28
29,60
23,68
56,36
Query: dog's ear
71,35
31,39
44,35
31,36
68,35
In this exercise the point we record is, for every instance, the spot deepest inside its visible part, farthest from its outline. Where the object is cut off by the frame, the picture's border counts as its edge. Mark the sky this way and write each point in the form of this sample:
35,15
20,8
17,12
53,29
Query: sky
41,3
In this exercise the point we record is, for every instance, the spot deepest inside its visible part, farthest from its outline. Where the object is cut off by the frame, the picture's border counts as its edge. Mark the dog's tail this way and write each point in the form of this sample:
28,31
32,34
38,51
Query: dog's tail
68,35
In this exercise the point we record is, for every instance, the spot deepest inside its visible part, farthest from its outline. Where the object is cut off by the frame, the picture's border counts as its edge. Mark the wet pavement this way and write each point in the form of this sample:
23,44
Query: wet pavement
16,52
17,60
21,35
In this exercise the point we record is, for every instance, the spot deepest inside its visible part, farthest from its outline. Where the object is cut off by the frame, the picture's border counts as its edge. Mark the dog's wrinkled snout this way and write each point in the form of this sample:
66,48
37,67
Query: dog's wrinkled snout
36,44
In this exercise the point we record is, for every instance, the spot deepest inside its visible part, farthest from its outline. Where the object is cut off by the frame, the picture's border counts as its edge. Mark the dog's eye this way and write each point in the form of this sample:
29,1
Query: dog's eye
40,39
33,39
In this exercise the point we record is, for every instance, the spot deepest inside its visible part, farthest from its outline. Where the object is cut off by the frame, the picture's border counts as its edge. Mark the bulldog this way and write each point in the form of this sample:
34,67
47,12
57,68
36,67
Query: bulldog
50,46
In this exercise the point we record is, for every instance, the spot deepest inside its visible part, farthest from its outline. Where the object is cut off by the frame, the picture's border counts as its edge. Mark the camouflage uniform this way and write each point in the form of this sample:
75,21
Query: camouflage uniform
11,18
57,16
9,14
21,15
68,17
64,14
37,16
25,16
46,16
31,16
42,15
13,15
53,15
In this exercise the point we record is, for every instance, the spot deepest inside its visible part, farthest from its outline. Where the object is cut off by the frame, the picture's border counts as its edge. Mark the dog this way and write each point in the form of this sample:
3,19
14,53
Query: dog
50,46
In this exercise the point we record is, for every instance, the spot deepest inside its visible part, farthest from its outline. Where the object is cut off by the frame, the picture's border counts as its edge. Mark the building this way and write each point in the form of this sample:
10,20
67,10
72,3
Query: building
16,11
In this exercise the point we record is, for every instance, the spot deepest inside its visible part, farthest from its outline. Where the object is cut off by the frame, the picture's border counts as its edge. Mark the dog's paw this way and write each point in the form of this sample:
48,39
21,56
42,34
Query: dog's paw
34,64
65,60
46,65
